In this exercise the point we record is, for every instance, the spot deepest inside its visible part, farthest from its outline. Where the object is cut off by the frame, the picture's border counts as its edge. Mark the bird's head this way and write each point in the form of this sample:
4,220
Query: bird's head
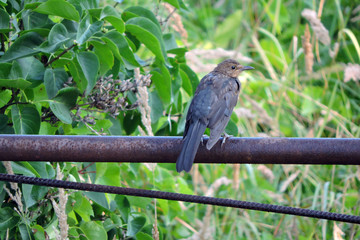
231,68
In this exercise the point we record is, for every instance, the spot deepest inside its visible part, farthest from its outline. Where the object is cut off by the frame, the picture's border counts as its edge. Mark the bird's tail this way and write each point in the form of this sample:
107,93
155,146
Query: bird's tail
190,146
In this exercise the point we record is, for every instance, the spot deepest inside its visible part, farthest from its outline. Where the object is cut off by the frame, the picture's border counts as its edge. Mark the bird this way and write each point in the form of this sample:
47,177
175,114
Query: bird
211,107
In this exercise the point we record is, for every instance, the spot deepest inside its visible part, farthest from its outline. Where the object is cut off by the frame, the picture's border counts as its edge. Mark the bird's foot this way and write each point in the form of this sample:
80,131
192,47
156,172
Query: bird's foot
225,137
202,139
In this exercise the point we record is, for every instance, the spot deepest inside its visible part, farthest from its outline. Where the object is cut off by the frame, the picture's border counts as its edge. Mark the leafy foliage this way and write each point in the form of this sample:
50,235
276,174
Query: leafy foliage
69,67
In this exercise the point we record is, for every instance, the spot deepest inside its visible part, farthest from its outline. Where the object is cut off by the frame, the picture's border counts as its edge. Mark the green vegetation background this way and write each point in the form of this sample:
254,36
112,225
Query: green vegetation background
130,68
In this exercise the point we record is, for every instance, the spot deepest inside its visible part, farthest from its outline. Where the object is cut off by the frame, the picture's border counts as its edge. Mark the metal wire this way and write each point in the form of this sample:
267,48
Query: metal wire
181,197
167,149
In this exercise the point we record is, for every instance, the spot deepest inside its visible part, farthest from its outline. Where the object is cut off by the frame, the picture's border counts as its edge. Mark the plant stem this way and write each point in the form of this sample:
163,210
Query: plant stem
56,58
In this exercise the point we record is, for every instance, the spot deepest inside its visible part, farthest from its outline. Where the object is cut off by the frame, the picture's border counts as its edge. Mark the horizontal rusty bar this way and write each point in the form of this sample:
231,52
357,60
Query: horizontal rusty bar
344,151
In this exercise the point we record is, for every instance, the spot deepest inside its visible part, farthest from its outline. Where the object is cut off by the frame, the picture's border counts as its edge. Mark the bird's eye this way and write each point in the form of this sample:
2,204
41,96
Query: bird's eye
233,67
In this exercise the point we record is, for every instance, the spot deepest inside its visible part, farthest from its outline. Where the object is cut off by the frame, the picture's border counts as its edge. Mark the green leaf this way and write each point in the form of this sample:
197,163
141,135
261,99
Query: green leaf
89,64
43,32
58,36
23,46
59,8
131,122
93,231
40,93
112,46
32,70
4,22
116,127
63,102
4,127
182,121
179,52
38,192
47,129
20,169
99,198
96,12
191,75
162,81
75,201
105,56
108,173
39,232
186,84
102,125
149,34
8,219
156,106
143,236
163,205
24,232
5,70
87,29
16,71
133,42
169,41
175,3
19,83
3,121
5,97
135,225
123,205
33,20
83,208
124,49
137,11
232,128
54,80
27,189
32,6
89,4
77,74
26,120
110,14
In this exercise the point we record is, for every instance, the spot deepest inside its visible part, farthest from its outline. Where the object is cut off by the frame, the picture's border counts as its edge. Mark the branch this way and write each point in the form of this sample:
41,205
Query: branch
168,17
13,103
63,52
14,94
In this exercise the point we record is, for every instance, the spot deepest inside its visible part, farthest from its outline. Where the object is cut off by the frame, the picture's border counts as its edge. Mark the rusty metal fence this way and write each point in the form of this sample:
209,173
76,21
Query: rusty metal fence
166,149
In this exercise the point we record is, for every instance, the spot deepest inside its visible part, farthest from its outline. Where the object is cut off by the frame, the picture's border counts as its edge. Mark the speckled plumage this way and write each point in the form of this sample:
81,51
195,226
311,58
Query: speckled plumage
212,105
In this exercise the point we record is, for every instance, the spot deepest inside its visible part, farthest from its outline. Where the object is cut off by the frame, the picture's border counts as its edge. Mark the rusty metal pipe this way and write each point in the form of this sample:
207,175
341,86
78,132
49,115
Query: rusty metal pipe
166,149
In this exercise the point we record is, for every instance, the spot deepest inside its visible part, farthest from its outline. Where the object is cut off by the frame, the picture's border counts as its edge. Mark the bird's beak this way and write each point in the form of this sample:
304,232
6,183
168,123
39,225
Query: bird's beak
247,68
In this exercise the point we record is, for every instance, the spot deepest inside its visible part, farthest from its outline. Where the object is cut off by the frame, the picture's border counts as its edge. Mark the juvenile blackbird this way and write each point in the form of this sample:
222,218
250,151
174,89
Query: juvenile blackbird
212,105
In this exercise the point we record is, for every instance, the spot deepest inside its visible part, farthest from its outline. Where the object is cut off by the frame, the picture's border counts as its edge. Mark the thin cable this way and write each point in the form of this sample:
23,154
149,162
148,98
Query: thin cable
181,197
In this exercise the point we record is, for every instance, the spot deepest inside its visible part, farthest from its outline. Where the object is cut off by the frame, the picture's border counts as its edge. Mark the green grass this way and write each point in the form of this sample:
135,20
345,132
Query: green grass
298,104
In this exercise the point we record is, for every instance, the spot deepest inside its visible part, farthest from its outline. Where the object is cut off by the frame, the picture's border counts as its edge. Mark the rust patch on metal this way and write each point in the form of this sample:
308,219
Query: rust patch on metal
166,149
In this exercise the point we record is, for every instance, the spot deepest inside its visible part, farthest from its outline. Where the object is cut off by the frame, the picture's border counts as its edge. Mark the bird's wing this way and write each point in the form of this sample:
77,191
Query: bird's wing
213,103
222,109
202,101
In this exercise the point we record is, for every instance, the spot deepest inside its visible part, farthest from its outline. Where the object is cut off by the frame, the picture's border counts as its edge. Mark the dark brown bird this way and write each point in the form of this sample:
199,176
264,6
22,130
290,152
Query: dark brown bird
212,105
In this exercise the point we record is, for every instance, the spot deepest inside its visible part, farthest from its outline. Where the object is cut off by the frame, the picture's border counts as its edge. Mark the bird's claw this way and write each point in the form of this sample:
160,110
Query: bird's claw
202,139
226,136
